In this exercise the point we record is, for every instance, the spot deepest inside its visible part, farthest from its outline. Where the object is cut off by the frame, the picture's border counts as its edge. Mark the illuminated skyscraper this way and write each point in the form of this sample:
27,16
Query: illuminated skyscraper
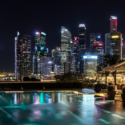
90,65
113,24
82,38
97,47
22,56
113,40
82,45
65,47
40,48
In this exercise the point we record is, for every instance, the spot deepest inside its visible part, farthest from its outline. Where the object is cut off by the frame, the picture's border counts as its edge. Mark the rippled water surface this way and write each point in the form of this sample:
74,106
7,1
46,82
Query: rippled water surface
56,108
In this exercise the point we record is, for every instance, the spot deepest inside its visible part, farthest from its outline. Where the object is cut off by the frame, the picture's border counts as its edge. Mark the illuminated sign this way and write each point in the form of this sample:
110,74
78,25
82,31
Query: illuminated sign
90,57
43,33
115,36
95,44
81,25
100,44
114,17
37,33
75,39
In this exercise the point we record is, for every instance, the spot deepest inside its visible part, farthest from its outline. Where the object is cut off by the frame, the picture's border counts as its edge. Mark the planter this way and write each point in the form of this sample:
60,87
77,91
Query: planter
111,95
123,97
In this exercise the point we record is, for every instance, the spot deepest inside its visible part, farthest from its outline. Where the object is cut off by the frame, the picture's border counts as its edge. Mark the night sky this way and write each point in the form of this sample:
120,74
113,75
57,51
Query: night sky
48,16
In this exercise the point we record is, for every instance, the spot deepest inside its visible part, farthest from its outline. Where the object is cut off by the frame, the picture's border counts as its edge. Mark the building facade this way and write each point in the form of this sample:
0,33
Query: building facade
65,46
113,24
44,66
40,48
82,45
23,62
90,65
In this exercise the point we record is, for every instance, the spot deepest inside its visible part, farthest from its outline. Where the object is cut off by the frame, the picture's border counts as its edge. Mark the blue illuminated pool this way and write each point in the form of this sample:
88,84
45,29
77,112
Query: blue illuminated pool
59,108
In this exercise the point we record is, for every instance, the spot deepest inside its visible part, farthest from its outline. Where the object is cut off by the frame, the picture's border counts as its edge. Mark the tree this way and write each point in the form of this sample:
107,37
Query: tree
69,77
109,60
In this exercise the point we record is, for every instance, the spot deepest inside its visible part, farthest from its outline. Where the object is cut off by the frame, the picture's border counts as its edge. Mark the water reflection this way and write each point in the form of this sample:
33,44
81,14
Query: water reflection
51,108
46,98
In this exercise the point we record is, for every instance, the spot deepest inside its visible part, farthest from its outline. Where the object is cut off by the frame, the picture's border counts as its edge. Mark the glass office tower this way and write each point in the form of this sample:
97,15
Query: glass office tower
22,56
65,47
40,48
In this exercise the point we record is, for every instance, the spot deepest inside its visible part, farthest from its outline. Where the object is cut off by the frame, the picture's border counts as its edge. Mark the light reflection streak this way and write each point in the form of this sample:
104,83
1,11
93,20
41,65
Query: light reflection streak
9,115
15,98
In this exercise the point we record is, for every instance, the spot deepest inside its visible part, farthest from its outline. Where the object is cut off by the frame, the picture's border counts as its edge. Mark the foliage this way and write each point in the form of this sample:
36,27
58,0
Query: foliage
109,60
110,88
123,89
26,79
69,77
30,79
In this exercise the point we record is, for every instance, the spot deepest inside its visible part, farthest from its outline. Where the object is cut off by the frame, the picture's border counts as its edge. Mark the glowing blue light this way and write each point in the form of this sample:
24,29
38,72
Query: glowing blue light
62,31
37,33
43,33
42,48
90,57
47,49
99,36
50,62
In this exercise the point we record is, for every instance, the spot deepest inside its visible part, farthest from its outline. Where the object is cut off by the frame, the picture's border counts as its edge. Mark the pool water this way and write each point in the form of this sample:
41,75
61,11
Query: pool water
56,108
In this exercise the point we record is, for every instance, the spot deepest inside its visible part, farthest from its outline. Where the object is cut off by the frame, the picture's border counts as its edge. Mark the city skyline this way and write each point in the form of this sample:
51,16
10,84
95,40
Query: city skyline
93,15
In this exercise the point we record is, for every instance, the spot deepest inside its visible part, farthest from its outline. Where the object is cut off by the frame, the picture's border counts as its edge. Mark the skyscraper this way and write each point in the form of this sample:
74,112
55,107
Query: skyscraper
40,48
76,55
96,45
113,40
107,43
113,24
65,47
82,38
22,56
82,45
97,48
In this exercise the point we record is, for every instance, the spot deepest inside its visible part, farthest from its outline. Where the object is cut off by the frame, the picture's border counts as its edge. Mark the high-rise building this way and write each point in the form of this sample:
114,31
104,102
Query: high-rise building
82,38
107,43
56,57
76,55
113,40
90,65
44,66
96,45
113,24
40,48
82,45
116,44
23,63
97,48
65,47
